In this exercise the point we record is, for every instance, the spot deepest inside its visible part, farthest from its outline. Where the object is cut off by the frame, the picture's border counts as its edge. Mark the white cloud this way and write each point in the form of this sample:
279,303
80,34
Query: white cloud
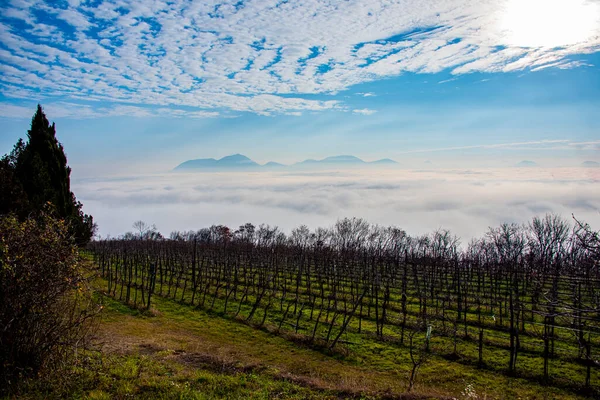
79,111
364,111
592,145
209,56
447,80
12,111
465,201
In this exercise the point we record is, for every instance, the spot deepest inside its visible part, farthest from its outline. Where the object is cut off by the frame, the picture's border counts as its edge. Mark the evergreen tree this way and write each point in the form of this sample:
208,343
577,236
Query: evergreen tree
42,167
12,196
37,172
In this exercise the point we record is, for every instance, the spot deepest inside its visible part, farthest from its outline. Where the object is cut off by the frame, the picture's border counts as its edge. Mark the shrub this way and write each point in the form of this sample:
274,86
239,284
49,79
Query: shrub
46,308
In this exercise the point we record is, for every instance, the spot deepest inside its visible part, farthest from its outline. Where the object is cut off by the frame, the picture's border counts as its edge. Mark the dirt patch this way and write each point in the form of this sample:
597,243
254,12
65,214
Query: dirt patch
208,361
149,349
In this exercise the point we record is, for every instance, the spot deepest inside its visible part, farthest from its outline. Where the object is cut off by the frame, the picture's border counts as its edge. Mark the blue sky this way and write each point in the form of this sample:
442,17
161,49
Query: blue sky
148,85
453,91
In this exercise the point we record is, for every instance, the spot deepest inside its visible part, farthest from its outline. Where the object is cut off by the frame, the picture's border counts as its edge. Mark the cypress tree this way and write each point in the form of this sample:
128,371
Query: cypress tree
42,167
39,170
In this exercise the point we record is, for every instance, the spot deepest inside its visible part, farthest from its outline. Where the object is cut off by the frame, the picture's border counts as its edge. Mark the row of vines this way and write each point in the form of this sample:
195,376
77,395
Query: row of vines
524,300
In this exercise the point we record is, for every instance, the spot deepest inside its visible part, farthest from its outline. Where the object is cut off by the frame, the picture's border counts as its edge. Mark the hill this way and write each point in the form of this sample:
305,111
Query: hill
181,351
590,164
228,162
240,161
526,163
384,161
273,164
343,160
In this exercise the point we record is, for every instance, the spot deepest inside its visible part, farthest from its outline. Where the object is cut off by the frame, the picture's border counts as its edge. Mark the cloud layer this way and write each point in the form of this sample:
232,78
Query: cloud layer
257,56
465,201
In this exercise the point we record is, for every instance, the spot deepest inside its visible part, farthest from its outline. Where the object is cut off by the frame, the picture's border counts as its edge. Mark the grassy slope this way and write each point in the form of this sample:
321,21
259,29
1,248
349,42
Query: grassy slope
199,341
182,352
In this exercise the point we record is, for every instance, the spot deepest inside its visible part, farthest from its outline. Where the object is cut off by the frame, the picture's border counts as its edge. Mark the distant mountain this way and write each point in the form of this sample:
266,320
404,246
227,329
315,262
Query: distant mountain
239,161
526,163
233,161
343,159
273,164
199,163
384,161
590,164
333,160
236,160
346,160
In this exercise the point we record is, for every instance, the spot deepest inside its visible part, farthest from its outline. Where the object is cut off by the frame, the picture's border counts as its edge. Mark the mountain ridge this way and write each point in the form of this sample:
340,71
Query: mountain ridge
526,164
241,161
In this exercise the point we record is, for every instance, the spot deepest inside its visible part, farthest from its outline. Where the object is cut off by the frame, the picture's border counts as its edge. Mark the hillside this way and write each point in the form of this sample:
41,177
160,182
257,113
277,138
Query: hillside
339,319
184,352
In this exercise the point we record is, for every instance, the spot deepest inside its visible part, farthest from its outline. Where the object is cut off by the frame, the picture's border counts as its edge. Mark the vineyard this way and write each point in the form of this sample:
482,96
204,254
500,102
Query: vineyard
522,301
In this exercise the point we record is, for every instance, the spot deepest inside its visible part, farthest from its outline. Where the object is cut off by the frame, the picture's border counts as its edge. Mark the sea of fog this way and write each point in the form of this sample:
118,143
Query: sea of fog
419,201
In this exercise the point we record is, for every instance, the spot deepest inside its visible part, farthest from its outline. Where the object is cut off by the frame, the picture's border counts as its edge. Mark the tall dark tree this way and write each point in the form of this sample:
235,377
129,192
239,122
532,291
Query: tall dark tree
36,173
12,195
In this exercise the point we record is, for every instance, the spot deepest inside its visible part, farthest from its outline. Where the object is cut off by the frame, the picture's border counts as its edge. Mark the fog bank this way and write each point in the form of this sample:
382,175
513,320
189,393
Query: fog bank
465,201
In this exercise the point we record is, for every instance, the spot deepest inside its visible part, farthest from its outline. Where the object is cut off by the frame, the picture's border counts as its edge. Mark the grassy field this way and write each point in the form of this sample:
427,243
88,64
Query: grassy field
179,351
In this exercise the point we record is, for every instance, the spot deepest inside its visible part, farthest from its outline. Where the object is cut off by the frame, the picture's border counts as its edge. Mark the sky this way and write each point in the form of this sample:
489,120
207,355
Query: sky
461,88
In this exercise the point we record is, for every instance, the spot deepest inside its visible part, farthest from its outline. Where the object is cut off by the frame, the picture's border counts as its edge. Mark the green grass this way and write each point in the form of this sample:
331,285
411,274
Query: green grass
366,365
177,351
566,372
109,376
